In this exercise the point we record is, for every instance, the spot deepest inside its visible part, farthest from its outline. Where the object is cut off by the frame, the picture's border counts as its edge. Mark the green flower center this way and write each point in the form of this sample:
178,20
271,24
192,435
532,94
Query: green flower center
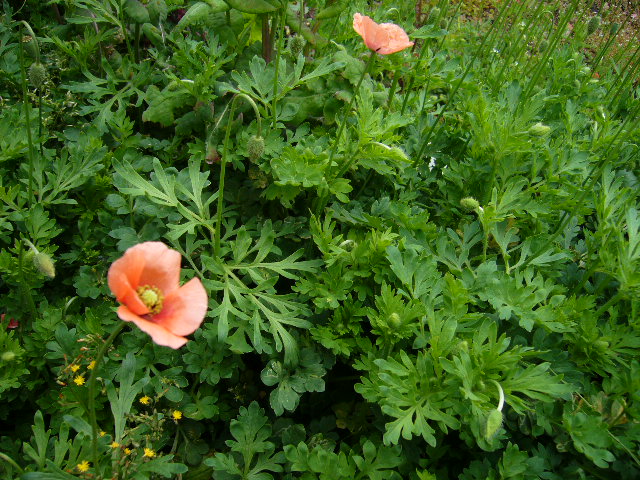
152,297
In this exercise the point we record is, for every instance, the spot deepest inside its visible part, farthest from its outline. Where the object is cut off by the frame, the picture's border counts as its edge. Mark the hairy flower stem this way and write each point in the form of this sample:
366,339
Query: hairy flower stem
26,291
27,111
91,404
322,201
274,103
224,159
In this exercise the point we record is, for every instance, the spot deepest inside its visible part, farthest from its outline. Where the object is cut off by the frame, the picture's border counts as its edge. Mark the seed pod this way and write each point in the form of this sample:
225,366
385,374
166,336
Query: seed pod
593,25
255,147
492,424
469,204
37,74
44,264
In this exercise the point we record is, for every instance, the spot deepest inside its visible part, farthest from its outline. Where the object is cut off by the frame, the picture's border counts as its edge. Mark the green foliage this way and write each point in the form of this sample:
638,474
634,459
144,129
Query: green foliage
418,265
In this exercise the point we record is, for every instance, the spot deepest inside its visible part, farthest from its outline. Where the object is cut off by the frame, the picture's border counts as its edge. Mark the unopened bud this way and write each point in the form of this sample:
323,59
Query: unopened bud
394,320
255,147
297,44
492,424
614,28
44,264
443,23
30,46
544,44
435,13
37,74
593,25
8,356
539,130
469,204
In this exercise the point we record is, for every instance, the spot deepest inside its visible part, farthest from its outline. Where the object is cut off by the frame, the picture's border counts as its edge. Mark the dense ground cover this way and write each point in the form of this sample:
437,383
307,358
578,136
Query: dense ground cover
413,261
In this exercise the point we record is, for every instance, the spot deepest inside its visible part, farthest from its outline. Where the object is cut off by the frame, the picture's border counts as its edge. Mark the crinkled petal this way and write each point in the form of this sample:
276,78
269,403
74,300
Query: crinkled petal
385,38
161,268
184,309
398,39
158,333
124,277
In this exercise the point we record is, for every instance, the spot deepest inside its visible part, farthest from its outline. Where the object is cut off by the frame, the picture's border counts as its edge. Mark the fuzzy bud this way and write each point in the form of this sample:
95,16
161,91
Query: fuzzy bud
544,44
30,46
297,44
443,23
435,13
593,25
394,320
492,424
37,74
255,147
614,28
539,130
44,264
469,204
8,356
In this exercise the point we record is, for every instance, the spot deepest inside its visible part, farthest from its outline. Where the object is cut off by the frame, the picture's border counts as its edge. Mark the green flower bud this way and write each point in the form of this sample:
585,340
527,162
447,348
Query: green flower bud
394,320
593,25
37,74
435,13
8,356
492,424
296,45
544,44
255,147
469,204
614,28
539,130
30,46
44,264
443,23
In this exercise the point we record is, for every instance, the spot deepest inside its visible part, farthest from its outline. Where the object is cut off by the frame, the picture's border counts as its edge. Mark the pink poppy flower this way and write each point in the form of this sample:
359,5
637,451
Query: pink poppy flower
146,281
383,38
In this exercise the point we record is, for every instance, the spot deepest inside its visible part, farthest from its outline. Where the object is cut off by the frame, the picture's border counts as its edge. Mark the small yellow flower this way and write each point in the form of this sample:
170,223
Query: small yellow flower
79,380
75,368
91,365
115,445
103,433
145,400
127,451
83,466
177,414
148,452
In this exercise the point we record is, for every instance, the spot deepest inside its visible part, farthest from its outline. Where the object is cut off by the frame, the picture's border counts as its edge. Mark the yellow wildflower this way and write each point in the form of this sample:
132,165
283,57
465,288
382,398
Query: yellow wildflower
83,466
177,414
103,433
145,400
75,368
79,380
127,451
148,452
91,365
114,445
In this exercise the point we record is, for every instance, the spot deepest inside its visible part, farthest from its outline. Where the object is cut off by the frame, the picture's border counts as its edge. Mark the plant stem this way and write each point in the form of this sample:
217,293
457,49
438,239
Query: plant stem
27,110
274,103
26,291
223,162
91,406
11,462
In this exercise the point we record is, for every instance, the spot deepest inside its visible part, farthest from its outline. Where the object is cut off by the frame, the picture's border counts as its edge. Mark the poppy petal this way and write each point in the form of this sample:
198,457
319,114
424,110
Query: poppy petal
158,333
184,309
161,268
397,39
124,279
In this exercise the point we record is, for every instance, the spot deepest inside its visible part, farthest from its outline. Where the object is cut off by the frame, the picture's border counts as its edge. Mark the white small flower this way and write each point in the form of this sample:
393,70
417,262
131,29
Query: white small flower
432,163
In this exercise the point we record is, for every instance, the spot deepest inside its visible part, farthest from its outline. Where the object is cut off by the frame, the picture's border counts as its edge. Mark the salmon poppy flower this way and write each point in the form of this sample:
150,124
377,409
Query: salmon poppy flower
383,38
146,281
